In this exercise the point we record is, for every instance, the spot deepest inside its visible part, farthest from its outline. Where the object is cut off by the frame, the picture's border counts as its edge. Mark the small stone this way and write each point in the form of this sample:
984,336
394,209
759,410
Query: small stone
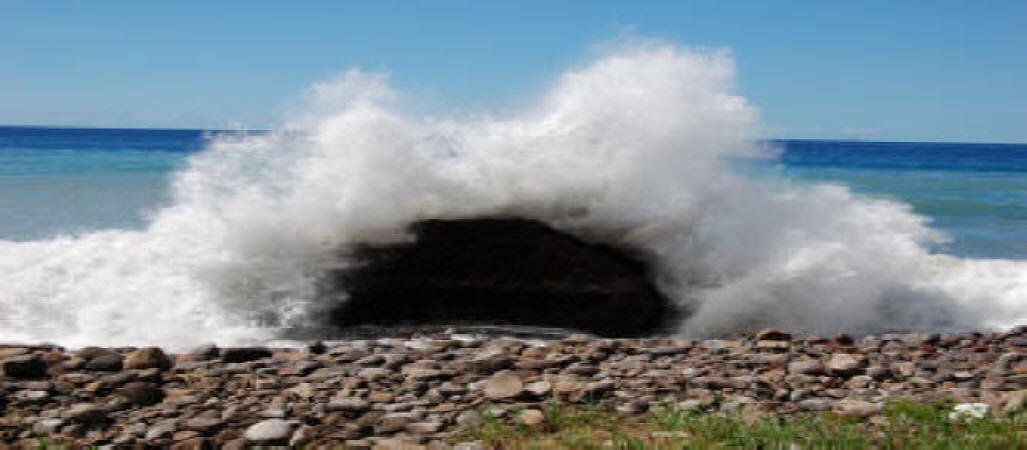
391,423
815,404
107,362
855,408
85,413
141,393
47,427
147,358
539,388
450,388
470,418
845,364
806,367
532,417
244,354
374,373
503,386
348,405
268,431
778,346
423,427
1014,402
24,366
32,397
205,425
471,446
381,397
773,334
161,430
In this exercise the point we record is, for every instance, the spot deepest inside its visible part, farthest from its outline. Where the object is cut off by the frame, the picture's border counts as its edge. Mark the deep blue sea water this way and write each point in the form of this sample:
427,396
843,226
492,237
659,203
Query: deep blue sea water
58,180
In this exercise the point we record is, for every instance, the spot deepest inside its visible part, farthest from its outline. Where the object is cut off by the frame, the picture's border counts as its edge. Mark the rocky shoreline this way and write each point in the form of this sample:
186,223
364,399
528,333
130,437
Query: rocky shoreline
420,389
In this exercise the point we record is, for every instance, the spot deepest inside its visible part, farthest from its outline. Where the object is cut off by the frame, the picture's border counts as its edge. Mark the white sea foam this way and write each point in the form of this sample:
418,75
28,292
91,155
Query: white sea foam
628,149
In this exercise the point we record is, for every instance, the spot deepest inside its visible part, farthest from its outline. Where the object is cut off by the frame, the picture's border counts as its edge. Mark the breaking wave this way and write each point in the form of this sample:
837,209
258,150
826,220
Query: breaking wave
631,149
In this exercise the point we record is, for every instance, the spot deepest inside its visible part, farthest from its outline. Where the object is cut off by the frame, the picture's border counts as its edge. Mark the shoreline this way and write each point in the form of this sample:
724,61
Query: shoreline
426,389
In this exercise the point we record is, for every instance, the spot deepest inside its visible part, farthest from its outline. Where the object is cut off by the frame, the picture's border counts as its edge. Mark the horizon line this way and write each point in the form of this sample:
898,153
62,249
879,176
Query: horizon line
263,130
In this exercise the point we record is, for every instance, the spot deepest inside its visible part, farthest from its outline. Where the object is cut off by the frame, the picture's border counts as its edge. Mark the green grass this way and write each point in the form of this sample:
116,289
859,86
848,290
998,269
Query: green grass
902,425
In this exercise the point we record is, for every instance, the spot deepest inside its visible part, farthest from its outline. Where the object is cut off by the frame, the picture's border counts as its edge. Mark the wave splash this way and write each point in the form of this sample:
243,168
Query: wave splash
629,149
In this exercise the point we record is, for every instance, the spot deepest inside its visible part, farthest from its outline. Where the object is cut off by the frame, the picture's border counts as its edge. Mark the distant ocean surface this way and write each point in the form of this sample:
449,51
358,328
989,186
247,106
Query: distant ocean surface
57,181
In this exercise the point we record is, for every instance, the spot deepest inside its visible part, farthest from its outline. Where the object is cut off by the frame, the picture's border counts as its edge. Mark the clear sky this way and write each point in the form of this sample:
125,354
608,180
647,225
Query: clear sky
890,70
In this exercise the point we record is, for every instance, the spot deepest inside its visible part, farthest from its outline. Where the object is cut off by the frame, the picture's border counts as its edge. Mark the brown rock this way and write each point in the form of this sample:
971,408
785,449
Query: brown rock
141,393
107,362
147,358
244,354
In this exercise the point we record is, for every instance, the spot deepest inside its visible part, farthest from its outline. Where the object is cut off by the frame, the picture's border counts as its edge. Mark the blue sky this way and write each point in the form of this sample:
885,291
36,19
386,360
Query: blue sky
891,70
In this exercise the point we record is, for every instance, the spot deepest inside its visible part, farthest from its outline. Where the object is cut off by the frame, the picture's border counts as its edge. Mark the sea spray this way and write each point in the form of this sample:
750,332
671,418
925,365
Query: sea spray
631,149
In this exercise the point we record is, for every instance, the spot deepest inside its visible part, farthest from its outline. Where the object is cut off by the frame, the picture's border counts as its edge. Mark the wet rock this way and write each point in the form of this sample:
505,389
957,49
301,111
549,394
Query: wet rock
147,358
106,362
24,366
244,354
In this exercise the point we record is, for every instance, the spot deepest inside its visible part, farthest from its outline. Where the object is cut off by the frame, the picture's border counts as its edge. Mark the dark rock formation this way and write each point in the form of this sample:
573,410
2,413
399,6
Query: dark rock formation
500,272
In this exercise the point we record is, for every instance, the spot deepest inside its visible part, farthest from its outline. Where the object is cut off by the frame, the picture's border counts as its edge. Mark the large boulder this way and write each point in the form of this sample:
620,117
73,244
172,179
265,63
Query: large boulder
498,271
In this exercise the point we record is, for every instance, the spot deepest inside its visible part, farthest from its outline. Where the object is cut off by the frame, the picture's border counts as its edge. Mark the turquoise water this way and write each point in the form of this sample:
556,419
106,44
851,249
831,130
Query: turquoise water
62,181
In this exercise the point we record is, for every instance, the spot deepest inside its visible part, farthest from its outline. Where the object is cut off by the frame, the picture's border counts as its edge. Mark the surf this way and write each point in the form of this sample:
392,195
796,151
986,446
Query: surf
630,150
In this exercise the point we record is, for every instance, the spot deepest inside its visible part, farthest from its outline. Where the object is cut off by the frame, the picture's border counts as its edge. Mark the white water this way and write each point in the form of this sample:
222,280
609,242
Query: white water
628,149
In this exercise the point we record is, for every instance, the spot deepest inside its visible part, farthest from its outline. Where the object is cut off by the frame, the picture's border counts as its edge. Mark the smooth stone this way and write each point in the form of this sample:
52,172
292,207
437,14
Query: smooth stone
470,418
532,417
503,386
270,430
348,405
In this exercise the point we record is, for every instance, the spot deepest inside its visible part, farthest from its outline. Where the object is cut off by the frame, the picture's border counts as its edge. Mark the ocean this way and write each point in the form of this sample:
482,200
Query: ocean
182,237
63,181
